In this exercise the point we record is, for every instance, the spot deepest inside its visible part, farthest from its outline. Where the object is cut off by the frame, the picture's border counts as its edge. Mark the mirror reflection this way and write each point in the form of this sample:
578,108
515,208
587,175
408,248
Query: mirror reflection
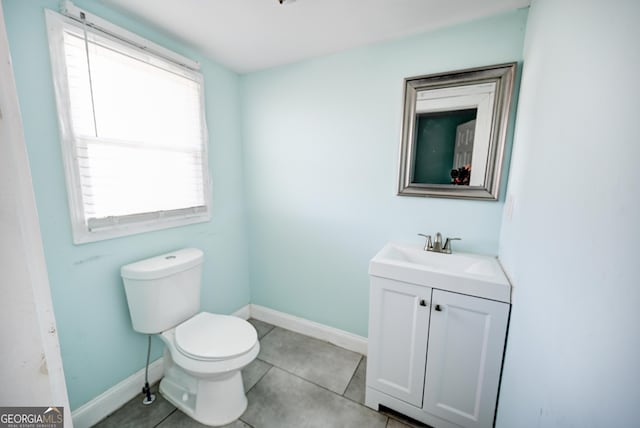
454,128
444,147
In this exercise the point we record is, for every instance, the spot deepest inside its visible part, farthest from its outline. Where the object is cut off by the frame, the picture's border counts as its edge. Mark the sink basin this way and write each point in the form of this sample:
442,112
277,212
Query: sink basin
466,273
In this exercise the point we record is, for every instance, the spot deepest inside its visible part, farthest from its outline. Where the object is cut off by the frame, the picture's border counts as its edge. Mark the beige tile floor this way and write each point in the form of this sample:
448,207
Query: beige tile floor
295,382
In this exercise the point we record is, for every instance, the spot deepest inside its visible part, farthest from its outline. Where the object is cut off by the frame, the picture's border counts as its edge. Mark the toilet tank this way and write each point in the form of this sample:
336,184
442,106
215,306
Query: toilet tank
163,291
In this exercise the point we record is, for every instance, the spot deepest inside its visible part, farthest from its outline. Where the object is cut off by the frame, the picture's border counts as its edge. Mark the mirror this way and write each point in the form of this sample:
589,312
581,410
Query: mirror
453,132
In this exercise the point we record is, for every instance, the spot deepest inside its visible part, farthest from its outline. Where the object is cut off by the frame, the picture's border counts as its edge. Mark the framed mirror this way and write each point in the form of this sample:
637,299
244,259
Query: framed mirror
454,129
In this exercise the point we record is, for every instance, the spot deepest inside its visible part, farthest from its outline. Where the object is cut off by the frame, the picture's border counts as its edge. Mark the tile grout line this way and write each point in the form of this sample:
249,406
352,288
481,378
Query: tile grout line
360,356
245,422
360,360
270,330
306,380
312,382
315,338
264,335
352,376
261,377
165,418
323,387
357,402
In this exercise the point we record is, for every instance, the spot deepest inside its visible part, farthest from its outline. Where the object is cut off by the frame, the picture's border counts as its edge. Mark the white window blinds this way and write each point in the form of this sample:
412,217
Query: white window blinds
134,122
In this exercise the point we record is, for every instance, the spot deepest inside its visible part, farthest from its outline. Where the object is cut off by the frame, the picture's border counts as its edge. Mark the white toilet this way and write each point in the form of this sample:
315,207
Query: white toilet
204,352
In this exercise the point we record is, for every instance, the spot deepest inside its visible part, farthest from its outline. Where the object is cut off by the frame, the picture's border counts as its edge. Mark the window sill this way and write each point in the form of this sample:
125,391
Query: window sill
82,235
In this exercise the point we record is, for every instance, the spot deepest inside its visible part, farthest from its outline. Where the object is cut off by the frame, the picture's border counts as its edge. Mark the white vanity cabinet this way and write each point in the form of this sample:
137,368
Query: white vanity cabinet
435,354
398,330
464,359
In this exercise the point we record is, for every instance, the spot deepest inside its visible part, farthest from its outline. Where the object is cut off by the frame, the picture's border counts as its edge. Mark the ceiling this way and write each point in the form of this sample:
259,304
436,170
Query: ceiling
249,35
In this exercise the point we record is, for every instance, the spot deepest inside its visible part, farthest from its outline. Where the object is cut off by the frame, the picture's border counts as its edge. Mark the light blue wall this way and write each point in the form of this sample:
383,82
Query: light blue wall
321,144
571,244
317,145
99,348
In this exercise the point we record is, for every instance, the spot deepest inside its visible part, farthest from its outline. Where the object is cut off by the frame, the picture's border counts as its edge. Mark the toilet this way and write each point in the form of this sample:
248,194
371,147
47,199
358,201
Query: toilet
204,352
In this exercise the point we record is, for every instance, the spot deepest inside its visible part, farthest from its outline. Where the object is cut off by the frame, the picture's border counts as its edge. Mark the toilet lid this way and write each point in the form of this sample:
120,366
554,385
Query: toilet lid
212,337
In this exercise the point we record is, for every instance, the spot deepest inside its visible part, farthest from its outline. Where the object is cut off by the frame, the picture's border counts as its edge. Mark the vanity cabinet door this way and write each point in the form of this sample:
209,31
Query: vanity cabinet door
398,329
464,360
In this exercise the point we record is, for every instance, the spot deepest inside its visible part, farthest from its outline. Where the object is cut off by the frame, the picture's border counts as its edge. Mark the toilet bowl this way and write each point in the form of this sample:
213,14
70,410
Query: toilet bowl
204,352
202,362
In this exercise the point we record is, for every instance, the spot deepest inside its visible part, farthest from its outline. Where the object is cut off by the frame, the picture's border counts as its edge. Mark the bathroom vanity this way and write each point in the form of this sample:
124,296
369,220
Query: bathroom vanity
437,329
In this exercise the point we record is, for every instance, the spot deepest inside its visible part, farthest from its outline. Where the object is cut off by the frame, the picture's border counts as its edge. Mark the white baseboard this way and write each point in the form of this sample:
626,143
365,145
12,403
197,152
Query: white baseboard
244,312
338,337
115,397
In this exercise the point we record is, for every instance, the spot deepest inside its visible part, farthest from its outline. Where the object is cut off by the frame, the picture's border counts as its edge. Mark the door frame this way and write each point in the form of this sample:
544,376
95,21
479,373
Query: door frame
28,239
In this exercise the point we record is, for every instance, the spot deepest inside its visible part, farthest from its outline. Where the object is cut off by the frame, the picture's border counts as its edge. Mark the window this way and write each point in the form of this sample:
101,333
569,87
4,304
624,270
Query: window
133,132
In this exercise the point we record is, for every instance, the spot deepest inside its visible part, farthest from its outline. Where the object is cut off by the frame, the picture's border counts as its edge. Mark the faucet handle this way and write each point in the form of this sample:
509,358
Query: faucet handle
427,245
447,245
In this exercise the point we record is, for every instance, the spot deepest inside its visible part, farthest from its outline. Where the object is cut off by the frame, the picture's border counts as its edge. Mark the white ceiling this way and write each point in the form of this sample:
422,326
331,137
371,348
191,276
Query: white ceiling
248,35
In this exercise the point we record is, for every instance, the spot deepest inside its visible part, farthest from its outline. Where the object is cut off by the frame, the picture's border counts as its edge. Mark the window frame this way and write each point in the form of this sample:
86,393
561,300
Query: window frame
128,224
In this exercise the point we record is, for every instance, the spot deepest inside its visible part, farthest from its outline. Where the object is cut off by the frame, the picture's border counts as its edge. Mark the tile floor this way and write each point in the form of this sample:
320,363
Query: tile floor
295,382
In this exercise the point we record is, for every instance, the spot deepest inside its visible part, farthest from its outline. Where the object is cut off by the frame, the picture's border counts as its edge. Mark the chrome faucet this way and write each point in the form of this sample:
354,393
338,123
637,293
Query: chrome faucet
428,246
436,246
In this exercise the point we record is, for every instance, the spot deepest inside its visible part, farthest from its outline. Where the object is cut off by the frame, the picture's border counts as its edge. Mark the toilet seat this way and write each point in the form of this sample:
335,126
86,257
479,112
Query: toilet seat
211,337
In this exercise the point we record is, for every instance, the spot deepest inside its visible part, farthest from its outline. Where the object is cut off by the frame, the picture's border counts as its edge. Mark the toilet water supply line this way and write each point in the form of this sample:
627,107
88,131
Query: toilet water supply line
148,396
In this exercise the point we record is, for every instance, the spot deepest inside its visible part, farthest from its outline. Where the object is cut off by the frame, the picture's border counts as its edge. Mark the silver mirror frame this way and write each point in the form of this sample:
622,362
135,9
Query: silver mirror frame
503,75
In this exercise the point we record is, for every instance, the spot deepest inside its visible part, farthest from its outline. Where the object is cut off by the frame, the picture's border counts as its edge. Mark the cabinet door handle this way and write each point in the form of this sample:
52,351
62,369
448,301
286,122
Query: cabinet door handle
438,308
423,302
